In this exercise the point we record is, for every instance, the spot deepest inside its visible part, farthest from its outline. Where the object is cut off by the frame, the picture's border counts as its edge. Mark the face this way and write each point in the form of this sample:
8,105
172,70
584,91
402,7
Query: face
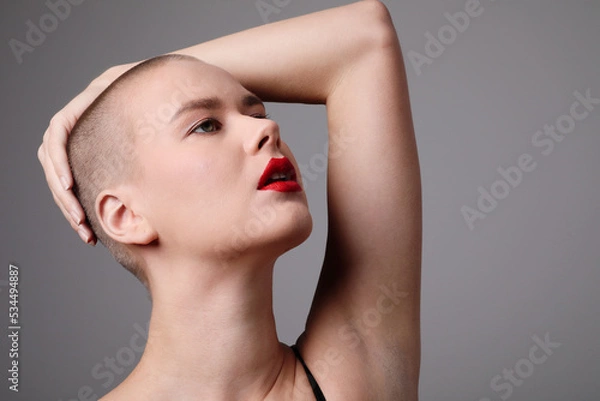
202,144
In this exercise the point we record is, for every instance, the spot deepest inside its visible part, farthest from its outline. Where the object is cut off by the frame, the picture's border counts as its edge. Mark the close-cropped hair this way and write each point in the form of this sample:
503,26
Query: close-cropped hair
101,153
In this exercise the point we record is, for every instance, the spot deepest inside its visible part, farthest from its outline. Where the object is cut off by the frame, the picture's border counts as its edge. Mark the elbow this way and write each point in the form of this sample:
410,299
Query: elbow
378,27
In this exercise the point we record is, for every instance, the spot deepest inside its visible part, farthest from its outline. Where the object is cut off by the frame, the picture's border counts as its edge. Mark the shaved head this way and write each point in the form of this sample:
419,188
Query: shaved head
101,152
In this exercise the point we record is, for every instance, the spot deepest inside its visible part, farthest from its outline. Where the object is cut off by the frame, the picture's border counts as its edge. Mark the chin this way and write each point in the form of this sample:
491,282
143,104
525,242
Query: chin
291,228
299,231
268,233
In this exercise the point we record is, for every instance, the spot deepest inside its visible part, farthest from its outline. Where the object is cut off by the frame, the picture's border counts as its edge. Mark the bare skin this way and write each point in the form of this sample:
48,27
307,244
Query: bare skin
362,337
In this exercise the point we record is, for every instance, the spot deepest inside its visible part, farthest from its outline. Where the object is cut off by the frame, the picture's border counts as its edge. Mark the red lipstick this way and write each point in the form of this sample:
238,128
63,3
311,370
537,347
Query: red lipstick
280,176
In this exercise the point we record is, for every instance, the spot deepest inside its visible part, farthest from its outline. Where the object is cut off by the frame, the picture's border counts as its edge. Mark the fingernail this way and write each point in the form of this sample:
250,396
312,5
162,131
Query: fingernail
64,182
75,217
83,234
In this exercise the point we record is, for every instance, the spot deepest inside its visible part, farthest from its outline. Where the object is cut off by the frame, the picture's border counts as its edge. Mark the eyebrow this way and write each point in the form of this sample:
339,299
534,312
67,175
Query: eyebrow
252,100
212,103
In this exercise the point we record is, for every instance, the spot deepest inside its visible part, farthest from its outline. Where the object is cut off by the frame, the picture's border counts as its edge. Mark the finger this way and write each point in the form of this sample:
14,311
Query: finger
66,213
57,187
66,200
55,143
69,206
40,154
58,131
83,230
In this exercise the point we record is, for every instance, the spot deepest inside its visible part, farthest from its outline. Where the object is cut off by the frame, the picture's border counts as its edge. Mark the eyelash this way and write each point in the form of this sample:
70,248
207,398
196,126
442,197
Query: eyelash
219,125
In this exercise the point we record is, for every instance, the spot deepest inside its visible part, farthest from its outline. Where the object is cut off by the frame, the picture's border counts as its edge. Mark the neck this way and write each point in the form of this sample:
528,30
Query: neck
212,334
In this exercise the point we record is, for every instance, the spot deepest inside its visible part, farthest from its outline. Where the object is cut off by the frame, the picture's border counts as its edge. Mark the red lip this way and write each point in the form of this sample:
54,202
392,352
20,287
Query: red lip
279,166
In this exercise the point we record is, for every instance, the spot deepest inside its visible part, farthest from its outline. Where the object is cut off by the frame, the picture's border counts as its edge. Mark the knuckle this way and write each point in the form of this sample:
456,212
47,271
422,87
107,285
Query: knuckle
56,122
40,153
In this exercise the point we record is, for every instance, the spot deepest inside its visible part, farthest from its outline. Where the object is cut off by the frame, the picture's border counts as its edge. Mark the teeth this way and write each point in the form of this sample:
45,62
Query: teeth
279,176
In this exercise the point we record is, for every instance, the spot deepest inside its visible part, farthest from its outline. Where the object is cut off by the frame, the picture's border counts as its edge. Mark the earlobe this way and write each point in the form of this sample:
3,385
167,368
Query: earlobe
121,222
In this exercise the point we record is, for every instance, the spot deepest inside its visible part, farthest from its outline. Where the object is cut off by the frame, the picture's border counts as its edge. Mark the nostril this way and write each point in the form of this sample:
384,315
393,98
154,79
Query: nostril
262,142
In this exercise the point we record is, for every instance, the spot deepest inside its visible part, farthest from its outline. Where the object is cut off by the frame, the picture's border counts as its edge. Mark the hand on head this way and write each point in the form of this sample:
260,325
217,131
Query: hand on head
53,156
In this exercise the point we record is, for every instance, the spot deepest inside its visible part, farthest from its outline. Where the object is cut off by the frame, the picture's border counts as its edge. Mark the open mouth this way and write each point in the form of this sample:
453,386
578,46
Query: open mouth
279,175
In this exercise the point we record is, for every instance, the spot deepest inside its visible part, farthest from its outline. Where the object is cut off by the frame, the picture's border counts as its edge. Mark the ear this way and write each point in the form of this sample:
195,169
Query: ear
120,221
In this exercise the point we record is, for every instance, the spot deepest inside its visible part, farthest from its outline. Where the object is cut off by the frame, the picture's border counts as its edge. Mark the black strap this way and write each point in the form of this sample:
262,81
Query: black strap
313,383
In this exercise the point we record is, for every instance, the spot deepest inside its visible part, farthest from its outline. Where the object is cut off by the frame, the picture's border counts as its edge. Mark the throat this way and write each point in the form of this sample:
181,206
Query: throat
215,341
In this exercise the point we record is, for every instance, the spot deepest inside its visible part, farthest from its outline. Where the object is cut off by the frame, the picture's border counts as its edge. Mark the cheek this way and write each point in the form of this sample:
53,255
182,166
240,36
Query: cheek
169,177
191,184
194,190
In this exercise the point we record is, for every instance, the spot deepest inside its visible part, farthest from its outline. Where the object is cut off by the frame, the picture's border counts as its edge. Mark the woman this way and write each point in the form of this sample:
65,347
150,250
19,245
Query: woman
212,333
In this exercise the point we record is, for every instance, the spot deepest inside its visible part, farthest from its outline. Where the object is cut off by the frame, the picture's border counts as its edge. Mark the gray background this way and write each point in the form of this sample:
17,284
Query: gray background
529,268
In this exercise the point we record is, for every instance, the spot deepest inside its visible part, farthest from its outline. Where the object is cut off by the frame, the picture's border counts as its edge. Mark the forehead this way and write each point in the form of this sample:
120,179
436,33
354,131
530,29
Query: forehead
165,88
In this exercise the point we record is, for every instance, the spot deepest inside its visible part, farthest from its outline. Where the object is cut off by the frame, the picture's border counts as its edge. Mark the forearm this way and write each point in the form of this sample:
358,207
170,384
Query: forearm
296,60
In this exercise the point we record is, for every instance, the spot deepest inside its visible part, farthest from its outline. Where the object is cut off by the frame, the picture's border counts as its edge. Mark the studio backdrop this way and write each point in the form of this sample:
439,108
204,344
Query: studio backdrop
506,104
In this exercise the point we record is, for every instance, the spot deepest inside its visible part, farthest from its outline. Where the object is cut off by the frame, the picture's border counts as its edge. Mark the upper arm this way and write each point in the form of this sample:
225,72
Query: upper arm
367,304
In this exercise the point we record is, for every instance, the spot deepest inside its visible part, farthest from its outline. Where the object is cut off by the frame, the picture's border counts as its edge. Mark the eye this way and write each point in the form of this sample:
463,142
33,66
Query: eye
207,126
263,116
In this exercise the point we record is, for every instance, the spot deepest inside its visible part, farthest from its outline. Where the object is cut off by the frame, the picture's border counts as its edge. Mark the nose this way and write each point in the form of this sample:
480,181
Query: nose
264,134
